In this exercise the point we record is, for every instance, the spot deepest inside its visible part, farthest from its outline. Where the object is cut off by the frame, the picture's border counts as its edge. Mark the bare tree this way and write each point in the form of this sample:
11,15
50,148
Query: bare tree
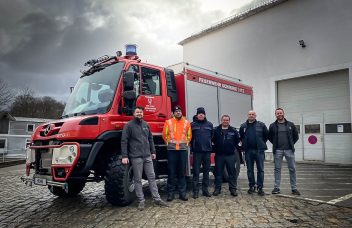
23,104
27,105
6,95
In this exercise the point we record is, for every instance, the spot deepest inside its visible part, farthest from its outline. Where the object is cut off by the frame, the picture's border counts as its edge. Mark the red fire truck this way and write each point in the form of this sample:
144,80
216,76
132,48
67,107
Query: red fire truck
84,145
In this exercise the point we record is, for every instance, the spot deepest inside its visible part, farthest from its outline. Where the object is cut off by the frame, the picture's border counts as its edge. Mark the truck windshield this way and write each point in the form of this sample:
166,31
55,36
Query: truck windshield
94,93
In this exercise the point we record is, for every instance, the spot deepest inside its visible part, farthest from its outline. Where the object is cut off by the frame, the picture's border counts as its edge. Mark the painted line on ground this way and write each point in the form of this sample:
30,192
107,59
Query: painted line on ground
343,198
303,198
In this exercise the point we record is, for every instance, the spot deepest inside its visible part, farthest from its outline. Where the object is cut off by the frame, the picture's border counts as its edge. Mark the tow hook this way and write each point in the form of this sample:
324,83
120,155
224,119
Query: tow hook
66,188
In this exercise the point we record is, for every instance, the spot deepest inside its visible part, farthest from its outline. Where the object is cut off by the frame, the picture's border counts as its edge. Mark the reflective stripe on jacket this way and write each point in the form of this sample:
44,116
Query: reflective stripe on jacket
177,133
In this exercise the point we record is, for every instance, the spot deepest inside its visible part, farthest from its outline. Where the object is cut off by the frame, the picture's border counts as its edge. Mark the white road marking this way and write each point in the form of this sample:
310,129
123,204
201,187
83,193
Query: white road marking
303,198
343,198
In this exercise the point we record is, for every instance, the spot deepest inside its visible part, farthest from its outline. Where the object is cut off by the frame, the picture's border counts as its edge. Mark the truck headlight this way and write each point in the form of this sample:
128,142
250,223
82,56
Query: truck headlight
64,155
30,156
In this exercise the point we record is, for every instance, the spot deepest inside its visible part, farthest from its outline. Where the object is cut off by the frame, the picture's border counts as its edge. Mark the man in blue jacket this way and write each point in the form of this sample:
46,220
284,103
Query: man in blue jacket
226,139
254,135
201,147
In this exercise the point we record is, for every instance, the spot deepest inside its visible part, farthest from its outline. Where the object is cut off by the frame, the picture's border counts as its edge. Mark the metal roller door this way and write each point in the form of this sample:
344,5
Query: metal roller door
320,107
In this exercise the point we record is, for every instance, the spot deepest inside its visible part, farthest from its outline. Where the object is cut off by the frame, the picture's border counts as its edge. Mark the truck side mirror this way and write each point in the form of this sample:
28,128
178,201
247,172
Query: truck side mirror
171,85
128,81
129,95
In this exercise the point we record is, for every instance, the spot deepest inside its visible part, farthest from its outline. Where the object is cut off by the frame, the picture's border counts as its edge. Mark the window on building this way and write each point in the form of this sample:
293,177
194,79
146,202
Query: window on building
338,128
2,143
30,127
150,82
312,129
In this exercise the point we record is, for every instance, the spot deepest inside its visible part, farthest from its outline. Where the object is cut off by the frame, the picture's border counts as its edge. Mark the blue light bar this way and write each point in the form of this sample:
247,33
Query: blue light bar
131,49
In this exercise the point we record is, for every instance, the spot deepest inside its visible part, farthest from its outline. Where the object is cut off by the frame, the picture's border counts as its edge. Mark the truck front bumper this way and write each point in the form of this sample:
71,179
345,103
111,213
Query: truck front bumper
43,181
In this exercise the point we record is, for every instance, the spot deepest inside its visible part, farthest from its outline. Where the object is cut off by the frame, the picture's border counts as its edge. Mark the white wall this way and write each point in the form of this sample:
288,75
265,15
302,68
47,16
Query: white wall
264,48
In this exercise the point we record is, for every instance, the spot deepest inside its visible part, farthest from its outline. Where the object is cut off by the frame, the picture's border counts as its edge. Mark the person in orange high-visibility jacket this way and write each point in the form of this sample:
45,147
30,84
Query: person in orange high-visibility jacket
177,134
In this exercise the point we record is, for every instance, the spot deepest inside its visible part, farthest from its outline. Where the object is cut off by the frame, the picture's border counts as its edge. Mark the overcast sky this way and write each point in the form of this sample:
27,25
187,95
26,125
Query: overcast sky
43,44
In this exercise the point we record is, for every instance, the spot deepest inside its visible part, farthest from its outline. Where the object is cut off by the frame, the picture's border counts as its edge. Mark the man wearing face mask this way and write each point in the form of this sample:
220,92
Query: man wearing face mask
177,135
137,147
201,147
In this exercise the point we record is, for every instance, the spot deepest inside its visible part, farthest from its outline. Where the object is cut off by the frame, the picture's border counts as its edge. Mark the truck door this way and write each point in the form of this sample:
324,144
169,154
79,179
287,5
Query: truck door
150,96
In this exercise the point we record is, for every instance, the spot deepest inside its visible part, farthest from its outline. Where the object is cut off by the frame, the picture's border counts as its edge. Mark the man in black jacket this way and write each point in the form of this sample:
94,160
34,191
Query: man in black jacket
254,135
225,141
201,147
137,146
283,135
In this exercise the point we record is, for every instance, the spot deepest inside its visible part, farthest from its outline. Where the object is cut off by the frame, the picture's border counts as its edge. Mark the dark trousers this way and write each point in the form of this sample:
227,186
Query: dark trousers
257,157
177,160
201,158
220,162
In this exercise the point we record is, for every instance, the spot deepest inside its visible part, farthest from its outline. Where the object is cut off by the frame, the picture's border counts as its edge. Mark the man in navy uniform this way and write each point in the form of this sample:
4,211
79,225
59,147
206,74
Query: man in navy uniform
201,147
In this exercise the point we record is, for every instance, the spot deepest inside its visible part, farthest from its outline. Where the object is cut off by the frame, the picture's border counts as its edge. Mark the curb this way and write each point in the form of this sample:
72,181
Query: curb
12,163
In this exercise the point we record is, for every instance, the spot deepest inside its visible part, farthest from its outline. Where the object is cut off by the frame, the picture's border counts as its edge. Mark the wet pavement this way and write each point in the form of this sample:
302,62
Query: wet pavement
326,190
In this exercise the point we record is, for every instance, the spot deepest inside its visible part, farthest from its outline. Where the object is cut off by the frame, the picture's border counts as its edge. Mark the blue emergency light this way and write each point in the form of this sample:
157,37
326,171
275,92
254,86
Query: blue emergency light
131,49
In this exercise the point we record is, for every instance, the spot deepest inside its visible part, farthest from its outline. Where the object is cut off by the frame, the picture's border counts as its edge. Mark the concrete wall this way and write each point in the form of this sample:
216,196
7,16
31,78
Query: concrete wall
264,48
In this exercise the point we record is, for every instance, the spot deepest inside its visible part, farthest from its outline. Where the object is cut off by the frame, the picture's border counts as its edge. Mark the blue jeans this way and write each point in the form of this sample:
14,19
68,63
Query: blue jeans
177,160
291,164
253,155
201,158
230,162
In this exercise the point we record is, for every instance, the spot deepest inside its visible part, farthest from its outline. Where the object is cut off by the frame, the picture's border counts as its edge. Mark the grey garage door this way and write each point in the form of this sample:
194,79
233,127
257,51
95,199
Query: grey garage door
320,107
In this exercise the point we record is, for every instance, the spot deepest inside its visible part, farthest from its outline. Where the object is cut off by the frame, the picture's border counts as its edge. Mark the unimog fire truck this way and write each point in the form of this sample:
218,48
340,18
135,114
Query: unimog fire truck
84,145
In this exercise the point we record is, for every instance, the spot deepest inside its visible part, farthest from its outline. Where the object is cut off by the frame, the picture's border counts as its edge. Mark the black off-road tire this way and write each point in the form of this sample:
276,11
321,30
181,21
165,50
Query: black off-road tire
74,188
119,189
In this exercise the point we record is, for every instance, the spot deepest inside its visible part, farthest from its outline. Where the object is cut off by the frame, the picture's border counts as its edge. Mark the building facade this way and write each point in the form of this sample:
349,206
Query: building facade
297,54
15,134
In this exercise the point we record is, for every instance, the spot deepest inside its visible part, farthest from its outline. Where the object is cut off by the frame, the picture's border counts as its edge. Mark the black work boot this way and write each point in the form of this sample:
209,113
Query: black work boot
183,197
234,193
251,190
170,197
206,193
216,192
195,194
261,192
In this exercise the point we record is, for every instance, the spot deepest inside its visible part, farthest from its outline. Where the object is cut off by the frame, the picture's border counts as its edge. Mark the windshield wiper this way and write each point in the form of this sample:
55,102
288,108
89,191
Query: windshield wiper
64,116
79,114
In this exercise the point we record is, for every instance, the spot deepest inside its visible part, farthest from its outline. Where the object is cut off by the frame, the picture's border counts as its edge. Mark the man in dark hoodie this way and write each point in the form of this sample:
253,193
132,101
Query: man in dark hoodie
226,139
283,135
137,147
201,147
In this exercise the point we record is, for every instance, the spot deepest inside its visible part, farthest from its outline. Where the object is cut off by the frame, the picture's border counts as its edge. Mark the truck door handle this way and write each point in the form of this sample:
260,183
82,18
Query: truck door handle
161,115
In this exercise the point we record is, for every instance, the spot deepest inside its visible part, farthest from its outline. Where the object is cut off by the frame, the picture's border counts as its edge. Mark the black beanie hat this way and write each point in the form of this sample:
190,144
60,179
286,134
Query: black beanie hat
200,110
176,108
